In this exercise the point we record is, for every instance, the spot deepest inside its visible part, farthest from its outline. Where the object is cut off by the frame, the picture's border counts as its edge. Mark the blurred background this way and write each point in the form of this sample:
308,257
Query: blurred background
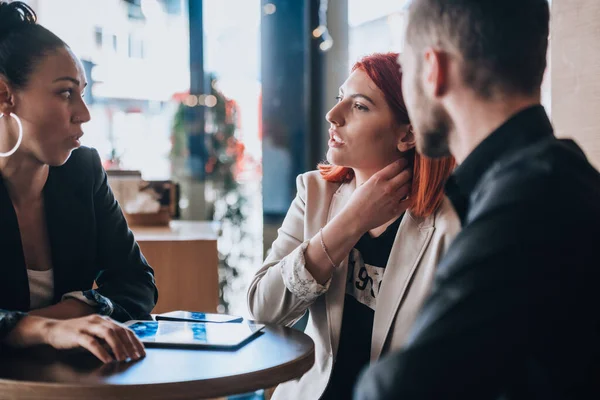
222,101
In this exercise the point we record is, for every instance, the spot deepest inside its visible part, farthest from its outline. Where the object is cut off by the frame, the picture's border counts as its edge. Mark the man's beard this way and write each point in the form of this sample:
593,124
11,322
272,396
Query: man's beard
433,129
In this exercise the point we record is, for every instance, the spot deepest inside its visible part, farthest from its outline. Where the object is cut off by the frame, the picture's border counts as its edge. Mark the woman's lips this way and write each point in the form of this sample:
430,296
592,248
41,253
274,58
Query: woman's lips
335,140
75,140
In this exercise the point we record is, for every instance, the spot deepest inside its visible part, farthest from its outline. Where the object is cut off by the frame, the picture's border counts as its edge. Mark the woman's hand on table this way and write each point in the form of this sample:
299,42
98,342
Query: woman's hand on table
100,335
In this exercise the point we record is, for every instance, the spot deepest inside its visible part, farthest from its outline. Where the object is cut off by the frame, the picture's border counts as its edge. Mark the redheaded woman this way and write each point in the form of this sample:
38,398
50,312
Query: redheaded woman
360,243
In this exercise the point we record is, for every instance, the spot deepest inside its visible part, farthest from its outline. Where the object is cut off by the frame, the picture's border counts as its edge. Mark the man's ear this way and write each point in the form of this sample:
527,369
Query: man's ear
436,72
7,101
406,140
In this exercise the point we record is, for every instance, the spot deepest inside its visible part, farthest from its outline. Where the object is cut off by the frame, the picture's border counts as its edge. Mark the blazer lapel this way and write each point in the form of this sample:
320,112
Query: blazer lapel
14,287
410,243
335,295
70,225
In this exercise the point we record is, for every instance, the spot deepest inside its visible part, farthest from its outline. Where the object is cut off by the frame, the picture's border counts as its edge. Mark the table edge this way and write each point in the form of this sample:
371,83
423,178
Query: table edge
209,388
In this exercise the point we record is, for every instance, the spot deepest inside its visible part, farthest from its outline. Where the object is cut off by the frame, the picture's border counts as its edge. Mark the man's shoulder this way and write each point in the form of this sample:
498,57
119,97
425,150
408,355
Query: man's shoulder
552,177
549,165
538,204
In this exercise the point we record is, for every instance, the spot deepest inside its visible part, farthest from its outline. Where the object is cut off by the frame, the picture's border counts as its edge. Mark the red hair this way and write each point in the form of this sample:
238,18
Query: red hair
429,175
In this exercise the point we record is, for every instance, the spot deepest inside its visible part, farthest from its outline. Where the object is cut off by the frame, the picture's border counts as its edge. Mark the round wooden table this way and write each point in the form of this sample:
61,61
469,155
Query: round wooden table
277,355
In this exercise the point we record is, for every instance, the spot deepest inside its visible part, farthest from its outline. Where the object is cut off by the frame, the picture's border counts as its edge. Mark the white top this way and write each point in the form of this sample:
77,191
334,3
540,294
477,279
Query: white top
41,288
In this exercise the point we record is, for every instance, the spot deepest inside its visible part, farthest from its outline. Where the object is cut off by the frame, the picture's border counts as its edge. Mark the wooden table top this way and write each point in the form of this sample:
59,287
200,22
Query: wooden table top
178,231
277,355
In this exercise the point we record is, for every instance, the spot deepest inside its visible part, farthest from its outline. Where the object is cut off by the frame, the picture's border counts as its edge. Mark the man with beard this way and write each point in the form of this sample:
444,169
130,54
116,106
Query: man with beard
513,312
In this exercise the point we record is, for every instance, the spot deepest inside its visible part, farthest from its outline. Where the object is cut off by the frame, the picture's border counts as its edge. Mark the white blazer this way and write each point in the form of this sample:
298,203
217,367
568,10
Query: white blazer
419,245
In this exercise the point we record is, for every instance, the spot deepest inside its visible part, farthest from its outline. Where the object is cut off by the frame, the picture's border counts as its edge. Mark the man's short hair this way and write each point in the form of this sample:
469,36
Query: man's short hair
502,44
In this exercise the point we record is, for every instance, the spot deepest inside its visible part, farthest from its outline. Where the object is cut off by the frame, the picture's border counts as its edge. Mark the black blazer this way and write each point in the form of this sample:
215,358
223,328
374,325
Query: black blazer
514,308
89,241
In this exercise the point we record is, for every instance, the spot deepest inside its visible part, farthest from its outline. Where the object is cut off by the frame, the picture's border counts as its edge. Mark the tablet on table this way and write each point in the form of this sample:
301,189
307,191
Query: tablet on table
194,334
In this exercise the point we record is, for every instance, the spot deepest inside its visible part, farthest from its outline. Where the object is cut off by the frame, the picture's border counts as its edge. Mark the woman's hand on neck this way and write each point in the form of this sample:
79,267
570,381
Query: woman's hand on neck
24,177
364,174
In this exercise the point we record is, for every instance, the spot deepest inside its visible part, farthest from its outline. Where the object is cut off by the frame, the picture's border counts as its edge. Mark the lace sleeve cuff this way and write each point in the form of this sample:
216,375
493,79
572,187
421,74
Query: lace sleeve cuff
297,279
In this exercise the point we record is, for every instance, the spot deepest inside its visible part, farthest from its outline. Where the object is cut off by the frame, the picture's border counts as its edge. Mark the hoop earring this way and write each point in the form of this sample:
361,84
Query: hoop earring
12,151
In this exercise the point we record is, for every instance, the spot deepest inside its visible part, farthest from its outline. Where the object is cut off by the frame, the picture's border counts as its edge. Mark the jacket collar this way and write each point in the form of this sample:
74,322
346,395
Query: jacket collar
412,239
70,227
524,128
14,288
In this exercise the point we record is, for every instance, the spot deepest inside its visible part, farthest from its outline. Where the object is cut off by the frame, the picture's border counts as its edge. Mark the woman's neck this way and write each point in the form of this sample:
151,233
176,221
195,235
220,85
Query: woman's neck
362,175
24,177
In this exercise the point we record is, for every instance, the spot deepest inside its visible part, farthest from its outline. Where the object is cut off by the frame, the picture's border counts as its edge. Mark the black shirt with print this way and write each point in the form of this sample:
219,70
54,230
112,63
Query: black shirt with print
366,265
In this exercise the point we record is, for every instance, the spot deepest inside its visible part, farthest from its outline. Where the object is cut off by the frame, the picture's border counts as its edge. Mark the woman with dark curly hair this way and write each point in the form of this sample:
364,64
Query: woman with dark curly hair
61,229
